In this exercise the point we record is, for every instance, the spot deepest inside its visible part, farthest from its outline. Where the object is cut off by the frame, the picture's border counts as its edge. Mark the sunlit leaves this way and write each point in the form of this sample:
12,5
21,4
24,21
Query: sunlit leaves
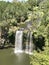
40,59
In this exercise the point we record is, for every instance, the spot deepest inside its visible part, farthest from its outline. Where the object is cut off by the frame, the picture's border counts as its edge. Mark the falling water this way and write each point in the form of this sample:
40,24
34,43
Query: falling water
30,44
27,44
18,41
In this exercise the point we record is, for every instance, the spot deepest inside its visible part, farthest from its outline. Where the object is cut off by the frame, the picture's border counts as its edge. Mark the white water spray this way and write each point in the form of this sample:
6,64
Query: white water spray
19,43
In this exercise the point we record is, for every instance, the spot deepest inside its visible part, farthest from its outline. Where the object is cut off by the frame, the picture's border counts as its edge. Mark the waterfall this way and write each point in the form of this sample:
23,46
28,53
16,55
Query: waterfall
30,44
27,44
18,41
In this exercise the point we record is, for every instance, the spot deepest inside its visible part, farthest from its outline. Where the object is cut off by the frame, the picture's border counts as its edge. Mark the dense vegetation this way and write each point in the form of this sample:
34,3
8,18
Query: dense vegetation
14,15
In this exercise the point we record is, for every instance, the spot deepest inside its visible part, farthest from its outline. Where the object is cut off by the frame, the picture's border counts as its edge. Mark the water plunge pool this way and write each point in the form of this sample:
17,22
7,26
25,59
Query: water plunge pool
8,57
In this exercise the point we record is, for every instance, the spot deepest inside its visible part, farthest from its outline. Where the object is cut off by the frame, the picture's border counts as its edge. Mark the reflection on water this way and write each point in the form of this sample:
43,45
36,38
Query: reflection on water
7,57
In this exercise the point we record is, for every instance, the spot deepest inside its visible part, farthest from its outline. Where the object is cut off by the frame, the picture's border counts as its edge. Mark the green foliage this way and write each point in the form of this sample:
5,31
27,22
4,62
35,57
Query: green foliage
40,59
15,15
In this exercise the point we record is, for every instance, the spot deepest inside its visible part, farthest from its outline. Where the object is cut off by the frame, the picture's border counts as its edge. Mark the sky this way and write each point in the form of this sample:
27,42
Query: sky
11,0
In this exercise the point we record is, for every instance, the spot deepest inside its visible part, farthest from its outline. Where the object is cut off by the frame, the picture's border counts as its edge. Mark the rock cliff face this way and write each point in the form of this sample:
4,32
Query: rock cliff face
0,35
1,40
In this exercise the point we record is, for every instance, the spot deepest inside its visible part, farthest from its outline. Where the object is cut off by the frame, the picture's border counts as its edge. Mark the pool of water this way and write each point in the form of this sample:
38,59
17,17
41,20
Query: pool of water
8,57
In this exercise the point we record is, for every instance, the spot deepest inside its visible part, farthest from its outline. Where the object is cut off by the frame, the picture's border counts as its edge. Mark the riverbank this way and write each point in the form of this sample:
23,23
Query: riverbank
6,46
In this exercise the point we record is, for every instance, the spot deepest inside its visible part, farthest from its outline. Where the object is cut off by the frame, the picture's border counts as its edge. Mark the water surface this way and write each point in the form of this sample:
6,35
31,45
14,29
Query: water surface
8,57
